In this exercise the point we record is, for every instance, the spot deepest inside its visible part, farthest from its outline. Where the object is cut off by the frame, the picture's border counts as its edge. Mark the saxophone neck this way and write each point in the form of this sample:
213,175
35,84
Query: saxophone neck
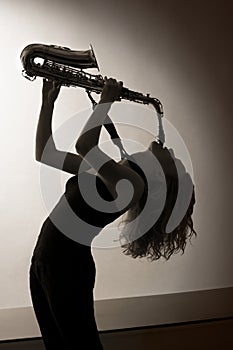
157,105
143,99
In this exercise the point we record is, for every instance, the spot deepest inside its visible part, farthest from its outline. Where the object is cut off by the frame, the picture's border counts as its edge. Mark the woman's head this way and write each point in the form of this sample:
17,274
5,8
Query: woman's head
167,232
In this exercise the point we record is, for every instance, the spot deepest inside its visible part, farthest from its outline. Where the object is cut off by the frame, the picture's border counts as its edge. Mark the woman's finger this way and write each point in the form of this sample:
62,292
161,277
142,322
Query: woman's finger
56,84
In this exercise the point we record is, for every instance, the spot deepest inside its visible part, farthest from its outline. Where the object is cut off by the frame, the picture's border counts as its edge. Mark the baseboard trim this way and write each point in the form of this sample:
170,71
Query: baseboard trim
134,329
133,313
202,335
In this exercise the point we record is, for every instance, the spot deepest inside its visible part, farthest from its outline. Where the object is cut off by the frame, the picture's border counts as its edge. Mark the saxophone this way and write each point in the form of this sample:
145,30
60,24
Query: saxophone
67,66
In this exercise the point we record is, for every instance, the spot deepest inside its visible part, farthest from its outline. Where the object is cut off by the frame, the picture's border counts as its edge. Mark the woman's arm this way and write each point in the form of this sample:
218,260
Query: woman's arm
46,151
87,146
50,93
89,136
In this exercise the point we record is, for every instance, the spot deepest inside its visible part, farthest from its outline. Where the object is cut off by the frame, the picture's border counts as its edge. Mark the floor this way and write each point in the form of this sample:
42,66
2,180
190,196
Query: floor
204,335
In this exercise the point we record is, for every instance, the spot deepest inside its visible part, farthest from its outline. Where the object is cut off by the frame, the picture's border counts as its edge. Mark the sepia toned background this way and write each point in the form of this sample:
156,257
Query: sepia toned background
180,52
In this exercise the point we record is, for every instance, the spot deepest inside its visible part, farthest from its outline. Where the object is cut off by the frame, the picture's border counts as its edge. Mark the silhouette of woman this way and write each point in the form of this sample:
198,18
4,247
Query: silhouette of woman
62,270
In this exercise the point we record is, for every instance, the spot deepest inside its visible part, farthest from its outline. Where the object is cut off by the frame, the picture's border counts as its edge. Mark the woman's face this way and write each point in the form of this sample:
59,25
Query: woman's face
150,159
146,161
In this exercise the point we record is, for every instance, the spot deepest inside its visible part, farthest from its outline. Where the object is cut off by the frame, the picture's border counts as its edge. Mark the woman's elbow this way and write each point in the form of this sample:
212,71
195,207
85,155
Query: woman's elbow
38,156
44,157
77,147
82,148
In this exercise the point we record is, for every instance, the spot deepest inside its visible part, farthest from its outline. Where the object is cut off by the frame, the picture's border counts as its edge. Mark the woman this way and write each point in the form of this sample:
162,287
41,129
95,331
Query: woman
62,271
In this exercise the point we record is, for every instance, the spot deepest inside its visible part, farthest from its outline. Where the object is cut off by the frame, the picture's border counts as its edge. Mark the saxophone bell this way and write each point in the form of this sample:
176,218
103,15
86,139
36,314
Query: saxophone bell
55,54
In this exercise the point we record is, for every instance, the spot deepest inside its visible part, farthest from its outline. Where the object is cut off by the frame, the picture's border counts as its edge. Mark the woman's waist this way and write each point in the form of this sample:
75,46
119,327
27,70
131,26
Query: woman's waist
52,241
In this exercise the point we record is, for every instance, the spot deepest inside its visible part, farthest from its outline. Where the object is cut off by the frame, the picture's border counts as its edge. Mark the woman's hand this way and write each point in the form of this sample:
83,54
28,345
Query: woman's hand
50,90
111,91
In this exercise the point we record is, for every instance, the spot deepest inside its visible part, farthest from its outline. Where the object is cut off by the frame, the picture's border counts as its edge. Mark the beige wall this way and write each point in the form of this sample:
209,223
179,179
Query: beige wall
178,51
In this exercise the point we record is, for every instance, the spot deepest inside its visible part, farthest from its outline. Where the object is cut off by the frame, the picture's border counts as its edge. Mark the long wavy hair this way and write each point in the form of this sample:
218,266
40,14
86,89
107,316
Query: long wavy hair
156,242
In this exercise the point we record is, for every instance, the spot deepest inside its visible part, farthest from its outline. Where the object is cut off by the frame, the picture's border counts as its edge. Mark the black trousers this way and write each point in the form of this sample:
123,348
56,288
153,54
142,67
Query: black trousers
62,297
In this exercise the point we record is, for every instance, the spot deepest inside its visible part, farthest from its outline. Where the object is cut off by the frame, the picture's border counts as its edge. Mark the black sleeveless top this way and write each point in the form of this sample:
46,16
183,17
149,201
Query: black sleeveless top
73,223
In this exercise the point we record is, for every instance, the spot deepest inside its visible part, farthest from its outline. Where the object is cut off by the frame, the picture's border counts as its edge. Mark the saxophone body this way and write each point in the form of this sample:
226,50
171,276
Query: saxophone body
67,66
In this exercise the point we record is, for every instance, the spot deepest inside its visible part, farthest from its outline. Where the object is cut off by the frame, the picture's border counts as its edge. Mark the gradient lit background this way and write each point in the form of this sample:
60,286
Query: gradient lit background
180,52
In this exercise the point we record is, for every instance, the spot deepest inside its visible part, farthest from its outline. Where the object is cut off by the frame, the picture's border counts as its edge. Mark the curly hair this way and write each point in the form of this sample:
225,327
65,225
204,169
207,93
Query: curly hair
157,242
